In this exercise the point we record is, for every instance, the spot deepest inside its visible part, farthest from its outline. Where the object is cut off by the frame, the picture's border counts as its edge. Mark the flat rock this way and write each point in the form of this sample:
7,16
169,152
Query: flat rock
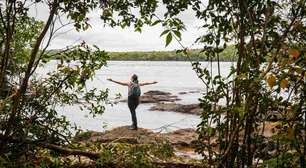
155,96
181,137
181,108
195,91
156,92
158,98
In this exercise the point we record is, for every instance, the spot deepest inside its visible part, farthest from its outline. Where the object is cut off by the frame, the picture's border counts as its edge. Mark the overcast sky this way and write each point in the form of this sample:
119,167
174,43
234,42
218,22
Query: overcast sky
118,39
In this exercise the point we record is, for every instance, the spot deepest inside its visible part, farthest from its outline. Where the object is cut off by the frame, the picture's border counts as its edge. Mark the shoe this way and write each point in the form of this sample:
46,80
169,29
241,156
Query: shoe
133,127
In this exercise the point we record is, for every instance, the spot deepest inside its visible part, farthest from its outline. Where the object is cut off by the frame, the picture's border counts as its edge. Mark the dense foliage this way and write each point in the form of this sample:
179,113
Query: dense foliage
29,100
264,92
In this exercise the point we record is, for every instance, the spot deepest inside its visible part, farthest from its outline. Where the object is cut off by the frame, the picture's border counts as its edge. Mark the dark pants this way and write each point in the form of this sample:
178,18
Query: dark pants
133,102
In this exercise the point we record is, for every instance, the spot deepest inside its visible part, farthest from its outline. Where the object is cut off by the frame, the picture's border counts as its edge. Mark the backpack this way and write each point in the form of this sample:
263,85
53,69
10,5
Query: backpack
135,90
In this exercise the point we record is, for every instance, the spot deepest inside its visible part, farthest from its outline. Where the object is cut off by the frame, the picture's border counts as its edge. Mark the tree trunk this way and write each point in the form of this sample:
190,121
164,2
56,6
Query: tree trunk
20,92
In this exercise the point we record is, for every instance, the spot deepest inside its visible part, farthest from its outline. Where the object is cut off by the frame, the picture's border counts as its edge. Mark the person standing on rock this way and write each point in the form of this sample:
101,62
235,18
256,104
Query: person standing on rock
134,93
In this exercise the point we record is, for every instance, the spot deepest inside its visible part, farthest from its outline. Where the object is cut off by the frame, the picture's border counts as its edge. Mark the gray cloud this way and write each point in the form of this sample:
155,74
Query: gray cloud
117,39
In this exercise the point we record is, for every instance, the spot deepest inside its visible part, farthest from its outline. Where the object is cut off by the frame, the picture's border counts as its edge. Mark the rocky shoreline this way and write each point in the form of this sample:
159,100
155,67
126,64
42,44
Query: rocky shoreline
180,138
180,108
183,141
166,101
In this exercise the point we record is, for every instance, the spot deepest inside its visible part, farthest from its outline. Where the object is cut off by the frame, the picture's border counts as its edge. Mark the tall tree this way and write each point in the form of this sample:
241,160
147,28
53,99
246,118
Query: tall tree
28,115
268,81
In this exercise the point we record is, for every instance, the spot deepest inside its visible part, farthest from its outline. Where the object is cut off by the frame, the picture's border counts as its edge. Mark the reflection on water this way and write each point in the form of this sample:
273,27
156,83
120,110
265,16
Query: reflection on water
172,77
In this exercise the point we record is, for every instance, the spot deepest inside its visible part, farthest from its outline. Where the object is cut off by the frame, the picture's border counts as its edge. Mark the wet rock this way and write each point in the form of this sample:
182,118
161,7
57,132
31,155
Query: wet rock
182,137
181,108
156,92
194,91
156,96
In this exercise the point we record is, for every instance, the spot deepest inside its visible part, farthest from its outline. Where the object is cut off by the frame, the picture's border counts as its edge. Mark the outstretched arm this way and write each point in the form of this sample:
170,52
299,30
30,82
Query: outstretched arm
147,83
118,82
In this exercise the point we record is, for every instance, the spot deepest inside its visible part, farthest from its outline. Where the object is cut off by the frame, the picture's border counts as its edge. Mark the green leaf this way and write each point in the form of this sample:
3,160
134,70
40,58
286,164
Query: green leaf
178,34
156,22
164,32
138,29
168,39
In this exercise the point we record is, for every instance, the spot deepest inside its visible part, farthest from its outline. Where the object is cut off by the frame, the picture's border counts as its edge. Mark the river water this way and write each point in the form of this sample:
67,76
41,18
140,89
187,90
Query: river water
171,76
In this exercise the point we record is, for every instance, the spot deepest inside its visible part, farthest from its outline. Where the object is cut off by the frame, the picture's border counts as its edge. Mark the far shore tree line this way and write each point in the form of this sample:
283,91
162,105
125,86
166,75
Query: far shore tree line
228,55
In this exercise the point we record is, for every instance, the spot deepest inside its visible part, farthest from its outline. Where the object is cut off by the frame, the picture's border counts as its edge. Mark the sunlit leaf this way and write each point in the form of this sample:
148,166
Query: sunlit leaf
290,134
284,83
294,53
271,80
